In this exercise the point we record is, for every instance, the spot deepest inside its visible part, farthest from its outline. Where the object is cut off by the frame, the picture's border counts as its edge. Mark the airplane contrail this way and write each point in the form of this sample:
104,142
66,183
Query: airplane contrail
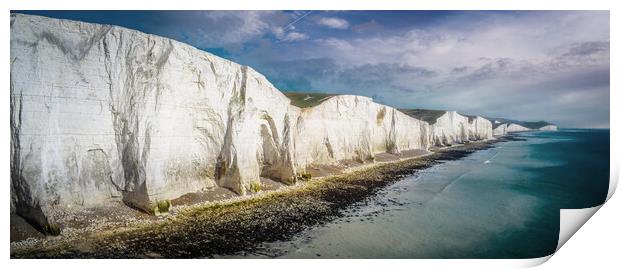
295,21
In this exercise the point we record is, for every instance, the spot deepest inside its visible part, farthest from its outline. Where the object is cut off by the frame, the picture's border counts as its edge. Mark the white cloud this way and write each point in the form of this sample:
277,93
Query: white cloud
278,32
335,23
533,40
233,27
291,36
295,36
537,65
225,28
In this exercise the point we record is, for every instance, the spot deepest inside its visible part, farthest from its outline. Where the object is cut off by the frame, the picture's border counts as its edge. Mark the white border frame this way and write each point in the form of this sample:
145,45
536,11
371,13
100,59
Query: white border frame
592,243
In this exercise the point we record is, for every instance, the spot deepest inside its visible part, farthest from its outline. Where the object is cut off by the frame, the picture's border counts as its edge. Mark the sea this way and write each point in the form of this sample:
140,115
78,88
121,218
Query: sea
502,202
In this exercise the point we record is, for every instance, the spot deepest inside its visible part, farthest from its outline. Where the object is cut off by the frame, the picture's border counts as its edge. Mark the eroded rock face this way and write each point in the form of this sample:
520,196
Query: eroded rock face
101,113
450,128
480,128
500,130
354,127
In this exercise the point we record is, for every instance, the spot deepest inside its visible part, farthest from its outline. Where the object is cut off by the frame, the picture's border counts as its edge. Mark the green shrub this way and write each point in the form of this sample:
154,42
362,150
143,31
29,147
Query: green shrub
292,180
254,186
164,206
161,207
52,229
303,176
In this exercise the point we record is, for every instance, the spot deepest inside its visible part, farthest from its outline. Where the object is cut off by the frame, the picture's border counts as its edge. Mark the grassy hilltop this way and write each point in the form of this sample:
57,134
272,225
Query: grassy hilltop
427,115
307,99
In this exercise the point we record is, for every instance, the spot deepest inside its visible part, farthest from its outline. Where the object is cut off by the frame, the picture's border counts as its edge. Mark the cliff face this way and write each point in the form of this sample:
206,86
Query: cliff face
449,129
480,128
354,127
500,130
548,128
513,127
101,113
504,128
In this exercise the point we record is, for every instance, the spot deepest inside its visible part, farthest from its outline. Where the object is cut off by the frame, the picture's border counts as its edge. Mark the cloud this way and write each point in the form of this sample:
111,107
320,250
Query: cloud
300,75
401,47
588,48
371,77
335,23
324,74
222,28
370,26
290,36
247,24
294,36
529,65
233,30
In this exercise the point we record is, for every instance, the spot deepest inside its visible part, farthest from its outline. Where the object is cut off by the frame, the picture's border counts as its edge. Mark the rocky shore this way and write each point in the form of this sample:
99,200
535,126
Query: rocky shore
240,225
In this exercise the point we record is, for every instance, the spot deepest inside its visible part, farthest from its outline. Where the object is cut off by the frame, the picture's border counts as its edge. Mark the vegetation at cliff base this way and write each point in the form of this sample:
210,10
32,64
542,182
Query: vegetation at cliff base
51,229
255,186
161,207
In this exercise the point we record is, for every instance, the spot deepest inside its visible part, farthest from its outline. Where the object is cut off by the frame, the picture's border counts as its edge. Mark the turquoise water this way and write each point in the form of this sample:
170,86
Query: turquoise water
501,202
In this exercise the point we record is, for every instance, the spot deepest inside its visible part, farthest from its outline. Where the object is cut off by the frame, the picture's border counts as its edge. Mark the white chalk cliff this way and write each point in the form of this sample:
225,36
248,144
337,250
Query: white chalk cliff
505,128
513,127
550,127
354,127
101,112
500,130
452,128
480,128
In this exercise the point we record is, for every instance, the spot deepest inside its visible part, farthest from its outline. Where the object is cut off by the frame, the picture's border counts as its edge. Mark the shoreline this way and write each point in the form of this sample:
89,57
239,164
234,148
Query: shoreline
238,224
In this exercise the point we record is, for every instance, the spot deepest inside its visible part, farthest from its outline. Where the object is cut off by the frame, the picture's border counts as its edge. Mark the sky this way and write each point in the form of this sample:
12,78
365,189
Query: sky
525,65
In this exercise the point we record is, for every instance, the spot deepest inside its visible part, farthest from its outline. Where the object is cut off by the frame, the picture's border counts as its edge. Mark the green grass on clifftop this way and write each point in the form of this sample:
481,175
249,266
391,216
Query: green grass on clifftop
307,99
427,115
